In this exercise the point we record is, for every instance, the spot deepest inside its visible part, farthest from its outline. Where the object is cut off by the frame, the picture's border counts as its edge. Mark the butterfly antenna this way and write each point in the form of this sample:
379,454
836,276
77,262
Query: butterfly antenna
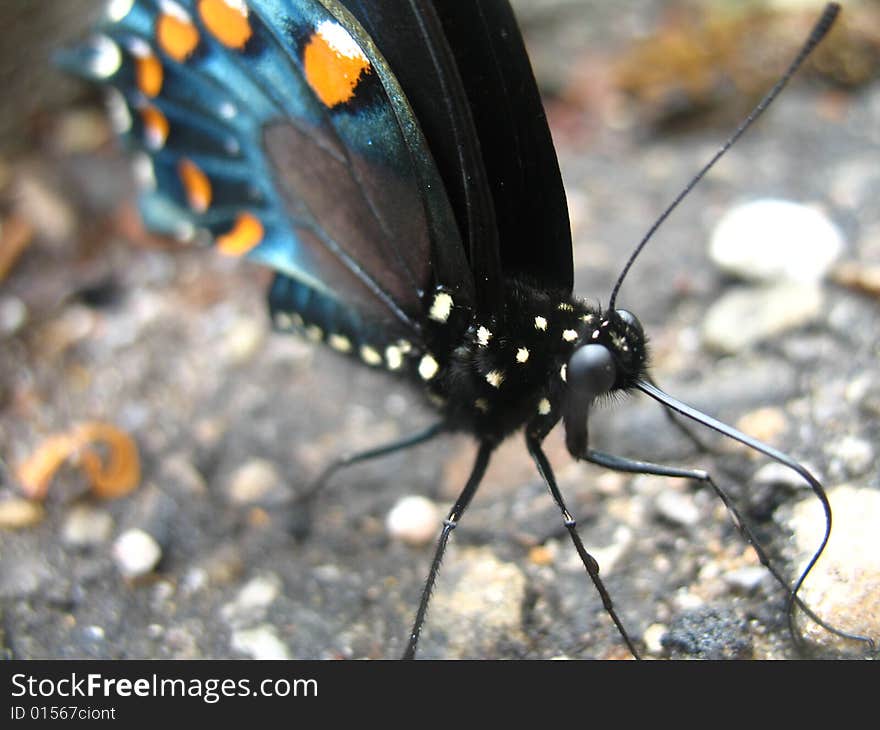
820,30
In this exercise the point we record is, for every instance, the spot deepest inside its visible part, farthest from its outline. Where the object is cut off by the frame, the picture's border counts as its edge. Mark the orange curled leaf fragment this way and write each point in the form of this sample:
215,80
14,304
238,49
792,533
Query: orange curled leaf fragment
107,455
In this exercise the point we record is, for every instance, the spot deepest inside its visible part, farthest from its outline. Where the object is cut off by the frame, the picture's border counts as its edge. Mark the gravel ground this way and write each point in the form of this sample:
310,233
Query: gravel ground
100,322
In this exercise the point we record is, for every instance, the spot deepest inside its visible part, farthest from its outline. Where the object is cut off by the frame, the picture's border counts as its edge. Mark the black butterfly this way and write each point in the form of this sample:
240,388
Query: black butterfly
391,160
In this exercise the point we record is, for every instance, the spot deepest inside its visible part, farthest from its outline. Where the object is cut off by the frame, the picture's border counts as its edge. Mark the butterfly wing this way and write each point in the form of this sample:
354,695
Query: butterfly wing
516,146
278,128
464,69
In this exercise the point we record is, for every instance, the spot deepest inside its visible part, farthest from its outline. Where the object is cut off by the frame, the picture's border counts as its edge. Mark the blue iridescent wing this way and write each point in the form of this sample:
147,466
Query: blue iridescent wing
275,129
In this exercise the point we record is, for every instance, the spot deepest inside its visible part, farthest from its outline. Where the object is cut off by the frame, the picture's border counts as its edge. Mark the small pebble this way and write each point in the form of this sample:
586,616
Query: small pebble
856,455
243,340
747,578
652,638
85,526
745,316
251,602
771,240
13,315
677,508
17,513
137,553
776,474
765,424
260,642
253,482
413,520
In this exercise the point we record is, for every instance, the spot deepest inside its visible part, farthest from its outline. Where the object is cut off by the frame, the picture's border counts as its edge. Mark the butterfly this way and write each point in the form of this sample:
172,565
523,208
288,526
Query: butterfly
391,161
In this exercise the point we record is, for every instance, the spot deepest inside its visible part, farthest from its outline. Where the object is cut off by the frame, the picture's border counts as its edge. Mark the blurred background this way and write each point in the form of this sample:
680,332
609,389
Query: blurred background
153,430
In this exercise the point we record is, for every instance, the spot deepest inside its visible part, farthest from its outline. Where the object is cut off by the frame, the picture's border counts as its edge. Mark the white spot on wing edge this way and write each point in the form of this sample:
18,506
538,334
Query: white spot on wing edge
170,7
340,343
394,357
118,9
339,39
117,110
107,57
428,367
144,172
544,407
370,356
569,335
563,372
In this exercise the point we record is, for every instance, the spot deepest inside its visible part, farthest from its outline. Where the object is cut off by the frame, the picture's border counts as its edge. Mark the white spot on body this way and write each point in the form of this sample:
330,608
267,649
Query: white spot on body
483,336
544,407
565,307
428,367
495,378
522,355
541,323
441,307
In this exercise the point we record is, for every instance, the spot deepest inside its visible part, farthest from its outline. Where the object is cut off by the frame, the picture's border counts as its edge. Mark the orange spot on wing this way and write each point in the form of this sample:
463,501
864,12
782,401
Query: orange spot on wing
176,36
156,127
227,23
149,75
196,184
332,74
246,232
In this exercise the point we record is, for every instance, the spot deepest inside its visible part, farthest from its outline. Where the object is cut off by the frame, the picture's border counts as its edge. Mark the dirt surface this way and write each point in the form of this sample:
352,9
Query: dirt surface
173,346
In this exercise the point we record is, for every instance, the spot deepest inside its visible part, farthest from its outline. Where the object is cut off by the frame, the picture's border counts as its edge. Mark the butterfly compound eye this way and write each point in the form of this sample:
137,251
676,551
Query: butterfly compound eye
591,372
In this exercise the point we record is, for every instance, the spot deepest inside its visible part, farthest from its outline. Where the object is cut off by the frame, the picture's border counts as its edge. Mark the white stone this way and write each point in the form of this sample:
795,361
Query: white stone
769,240
414,520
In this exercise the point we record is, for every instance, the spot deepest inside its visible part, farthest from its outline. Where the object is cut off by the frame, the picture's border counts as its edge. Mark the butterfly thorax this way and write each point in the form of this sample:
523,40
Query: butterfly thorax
491,376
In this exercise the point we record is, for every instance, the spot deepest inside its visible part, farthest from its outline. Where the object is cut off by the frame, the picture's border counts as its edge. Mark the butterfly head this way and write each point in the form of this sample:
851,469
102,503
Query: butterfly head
612,358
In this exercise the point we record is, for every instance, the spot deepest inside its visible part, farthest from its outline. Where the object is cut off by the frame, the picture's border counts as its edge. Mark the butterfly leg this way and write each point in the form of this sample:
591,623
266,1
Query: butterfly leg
630,466
449,524
534,446
303,501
